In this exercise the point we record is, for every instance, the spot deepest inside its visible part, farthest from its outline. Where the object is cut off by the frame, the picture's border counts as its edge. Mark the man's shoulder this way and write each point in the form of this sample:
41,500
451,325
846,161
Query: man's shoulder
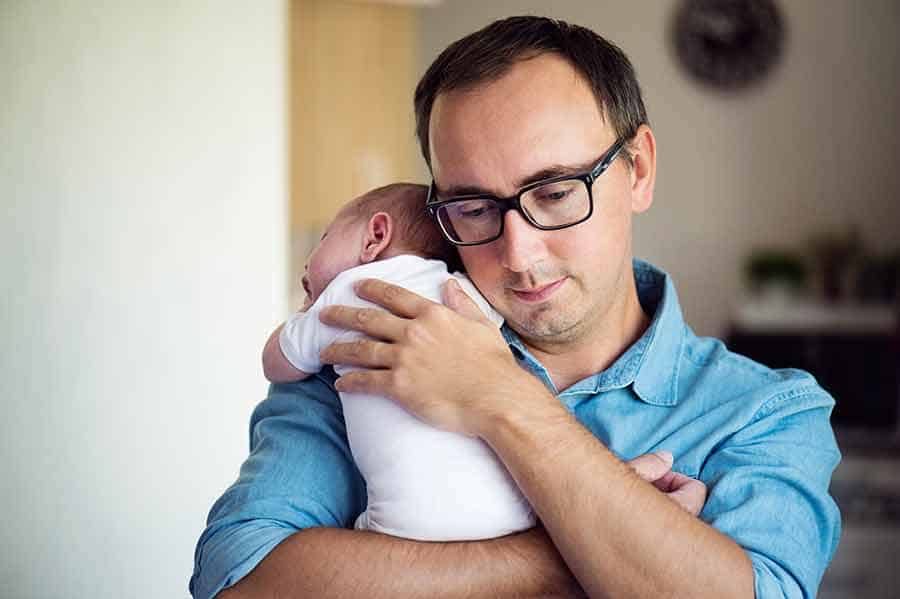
709,369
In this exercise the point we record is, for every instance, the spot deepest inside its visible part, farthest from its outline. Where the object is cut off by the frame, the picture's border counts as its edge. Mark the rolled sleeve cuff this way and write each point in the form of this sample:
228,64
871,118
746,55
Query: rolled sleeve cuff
771,581
228,551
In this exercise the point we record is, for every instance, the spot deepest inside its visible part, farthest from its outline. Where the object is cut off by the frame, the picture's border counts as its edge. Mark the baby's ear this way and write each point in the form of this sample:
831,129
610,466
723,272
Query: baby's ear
379,231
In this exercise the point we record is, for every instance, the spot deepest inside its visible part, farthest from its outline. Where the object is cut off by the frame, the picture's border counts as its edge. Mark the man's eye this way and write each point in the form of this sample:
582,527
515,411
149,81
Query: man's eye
554,195
472,212
474,209
556,192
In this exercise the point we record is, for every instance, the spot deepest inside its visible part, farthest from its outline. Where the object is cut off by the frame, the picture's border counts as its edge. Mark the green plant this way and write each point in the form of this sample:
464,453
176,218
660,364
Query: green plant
765,267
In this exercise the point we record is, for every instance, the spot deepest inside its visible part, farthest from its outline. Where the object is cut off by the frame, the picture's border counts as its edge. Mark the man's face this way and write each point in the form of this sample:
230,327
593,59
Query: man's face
553,287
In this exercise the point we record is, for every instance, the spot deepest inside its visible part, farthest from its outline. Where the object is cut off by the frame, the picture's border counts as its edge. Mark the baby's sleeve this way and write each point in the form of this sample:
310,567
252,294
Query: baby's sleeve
303,337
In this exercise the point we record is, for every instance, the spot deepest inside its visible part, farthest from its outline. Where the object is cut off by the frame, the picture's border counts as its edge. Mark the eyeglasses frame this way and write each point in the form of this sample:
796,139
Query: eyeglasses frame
514,202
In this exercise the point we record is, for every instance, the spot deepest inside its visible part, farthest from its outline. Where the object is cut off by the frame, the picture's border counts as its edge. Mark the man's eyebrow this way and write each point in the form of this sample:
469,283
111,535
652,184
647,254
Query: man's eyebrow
556,170
550,172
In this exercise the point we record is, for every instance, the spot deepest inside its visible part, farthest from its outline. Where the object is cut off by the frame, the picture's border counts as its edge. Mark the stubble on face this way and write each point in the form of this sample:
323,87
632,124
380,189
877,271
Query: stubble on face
571,317
499,134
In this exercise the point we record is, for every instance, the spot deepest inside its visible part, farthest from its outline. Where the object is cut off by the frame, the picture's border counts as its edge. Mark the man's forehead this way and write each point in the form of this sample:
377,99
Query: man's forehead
538,118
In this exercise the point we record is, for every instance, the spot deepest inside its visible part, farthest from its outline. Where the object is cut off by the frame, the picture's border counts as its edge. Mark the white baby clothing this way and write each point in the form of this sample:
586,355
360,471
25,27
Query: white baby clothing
422,483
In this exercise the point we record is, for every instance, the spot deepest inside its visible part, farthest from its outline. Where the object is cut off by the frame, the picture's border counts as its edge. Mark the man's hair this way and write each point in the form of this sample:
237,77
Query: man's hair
414,230
488,54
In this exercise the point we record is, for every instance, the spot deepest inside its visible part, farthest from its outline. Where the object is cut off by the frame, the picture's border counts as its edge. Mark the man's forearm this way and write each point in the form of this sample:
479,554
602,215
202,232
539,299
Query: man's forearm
330,562
618,534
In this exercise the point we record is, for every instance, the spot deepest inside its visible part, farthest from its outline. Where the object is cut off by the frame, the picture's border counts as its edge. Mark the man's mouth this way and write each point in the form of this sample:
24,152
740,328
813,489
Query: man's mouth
539,293
305,282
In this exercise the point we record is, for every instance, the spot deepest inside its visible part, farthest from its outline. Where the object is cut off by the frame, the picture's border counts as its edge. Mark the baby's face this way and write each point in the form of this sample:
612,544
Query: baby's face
338,250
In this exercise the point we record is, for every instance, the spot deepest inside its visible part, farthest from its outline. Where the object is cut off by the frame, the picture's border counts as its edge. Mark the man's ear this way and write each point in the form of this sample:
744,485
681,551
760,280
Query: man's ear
379,231
643,169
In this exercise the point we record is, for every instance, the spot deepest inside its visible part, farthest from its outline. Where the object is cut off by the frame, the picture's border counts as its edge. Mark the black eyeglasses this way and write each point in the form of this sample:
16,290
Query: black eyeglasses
550,204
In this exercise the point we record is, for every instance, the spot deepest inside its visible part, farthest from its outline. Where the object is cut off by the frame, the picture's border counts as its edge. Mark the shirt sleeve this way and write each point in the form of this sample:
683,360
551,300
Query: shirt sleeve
299,474
768,490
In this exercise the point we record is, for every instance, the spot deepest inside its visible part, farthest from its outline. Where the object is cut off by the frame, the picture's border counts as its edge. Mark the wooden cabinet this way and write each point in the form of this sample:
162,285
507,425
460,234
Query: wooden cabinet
854,353
860,371
352,75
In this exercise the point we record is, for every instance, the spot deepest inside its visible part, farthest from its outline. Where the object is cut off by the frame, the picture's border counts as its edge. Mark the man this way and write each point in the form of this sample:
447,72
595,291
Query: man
540,151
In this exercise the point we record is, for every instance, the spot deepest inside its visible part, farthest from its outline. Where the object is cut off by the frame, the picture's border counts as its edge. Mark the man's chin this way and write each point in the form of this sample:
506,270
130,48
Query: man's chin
546,324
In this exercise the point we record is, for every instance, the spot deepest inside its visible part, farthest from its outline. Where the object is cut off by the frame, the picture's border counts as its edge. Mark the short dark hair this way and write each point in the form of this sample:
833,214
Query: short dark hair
489,53
415,231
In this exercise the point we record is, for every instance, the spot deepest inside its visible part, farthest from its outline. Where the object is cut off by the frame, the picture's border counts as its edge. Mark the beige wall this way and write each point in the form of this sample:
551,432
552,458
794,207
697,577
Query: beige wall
816,146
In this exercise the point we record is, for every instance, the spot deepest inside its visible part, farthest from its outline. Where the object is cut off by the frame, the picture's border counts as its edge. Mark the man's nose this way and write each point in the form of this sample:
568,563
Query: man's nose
521,244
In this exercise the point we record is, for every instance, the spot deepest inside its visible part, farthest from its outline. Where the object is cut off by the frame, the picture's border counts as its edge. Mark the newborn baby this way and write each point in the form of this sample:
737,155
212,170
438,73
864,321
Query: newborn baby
422,483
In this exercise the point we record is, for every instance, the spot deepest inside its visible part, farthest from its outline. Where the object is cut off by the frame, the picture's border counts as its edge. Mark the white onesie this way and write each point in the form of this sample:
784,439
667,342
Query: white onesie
423,483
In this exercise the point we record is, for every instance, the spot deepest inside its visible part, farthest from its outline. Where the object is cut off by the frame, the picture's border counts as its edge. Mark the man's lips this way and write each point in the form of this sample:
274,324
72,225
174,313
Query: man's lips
538,294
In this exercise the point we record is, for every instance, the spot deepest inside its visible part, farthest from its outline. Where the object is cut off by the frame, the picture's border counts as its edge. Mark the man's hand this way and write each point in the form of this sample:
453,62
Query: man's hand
449,367
656,468
418,351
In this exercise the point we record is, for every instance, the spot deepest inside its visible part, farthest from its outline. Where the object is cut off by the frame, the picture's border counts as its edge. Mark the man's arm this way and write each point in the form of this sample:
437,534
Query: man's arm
768,492
769,488
334,563
278,528
617,534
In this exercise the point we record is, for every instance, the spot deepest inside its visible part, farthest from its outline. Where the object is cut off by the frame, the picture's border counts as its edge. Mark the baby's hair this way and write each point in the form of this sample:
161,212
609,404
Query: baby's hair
414,231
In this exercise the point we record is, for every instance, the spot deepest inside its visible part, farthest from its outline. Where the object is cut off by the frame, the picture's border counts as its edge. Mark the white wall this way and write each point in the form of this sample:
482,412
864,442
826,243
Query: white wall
142,262
815,147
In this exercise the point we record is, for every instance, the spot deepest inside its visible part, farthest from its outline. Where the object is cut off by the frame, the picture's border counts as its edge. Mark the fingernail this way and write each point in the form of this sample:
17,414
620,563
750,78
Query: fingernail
665,456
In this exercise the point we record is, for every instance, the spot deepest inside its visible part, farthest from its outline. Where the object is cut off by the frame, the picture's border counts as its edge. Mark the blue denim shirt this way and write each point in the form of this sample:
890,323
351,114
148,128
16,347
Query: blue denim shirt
759,438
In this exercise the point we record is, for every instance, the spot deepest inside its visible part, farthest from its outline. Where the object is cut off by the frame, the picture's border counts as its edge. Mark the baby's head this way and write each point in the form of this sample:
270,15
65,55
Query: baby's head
380,224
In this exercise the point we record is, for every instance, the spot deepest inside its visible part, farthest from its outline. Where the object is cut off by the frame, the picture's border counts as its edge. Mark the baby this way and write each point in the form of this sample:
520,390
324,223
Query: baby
423,483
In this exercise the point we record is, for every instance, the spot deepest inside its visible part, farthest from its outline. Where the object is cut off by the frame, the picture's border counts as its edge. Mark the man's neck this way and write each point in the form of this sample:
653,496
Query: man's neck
619,329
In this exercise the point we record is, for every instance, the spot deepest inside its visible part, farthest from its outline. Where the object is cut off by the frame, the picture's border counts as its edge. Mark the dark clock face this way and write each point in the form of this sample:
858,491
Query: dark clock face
728,44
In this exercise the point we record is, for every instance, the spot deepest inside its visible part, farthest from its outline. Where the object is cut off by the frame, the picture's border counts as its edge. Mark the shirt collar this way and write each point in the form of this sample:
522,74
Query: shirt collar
656,378
650,365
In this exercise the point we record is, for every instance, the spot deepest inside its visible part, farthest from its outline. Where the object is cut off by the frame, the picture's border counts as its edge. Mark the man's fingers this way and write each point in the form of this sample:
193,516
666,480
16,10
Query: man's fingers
365,353
652,466
459,301
664,483
398,300
656,468
371,321
688,493
363,381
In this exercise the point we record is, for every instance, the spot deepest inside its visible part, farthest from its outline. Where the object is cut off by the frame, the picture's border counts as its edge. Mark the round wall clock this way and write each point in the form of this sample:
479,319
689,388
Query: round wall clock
728,44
